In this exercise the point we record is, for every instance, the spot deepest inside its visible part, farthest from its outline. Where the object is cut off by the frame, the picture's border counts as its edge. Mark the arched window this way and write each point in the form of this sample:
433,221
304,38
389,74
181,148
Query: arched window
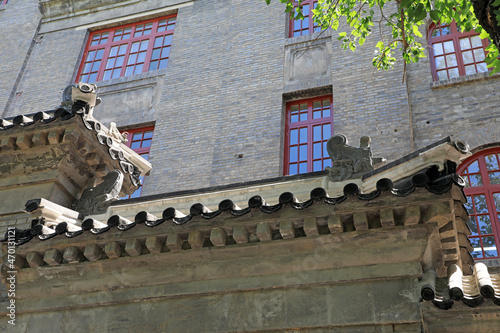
481,173
454,53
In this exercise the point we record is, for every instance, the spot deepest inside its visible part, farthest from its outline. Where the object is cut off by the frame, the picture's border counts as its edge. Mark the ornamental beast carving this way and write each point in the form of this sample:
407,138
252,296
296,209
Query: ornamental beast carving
95,200
348,161
80,98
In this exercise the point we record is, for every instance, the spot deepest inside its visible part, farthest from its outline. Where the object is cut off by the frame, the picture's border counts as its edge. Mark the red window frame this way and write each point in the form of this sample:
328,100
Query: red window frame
481,173
4,2
308,126
454,53
305,26
127,50
139,140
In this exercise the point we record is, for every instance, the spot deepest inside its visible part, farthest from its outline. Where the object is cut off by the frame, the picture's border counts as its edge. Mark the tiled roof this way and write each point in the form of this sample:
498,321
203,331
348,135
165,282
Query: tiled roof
431,179
471,290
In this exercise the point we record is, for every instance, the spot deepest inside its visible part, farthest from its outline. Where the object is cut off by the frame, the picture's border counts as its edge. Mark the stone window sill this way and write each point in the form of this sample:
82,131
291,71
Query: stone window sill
132,78
463,80
309,37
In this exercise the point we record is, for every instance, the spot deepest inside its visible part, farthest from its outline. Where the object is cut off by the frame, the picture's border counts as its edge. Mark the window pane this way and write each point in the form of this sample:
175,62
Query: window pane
464,43
473,167
146,143
153,65
484,224
440,63
476,41
436,32
327,163
165,53
491,162
448,46
469,70
327,131
481,67
294,137
477,253
294,154
451,60
303,153
496,198
479,54
292,170
317,150
453,73
303,135
317,166
467,57
148,134
316,114
302,167
494,177
442,75
168,40
135,145
294,118
476,180
317,105
445,30
163,64
480,204
489,247
317,133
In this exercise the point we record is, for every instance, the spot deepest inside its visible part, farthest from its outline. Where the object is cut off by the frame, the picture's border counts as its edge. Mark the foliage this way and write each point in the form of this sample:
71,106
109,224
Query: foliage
400,27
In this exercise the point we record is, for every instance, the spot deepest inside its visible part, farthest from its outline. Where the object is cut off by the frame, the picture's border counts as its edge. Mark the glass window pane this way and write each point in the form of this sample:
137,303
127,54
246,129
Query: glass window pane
113,51
153,65
90,56
165,53
141,57
138,69
116,73
146,143
135,145
480,204
86,67
317,166
92,78
467,57
442,75
477,253
476,180
479,54
294,137
489,247
163,64
132,59
292,169
451,60
294,118
303,153
303,116
481,67
436,32
317,150
327,162
453,73
326,112
445,30
137,136
496,198
484,224
327,131
317,105
440,63
473,167
491,162
326,103
294,108
148,134
476,41
119,61
294,155
123,49
135,47
464,43
303,107
448,46
168,40
302,167
316,114
303,135
468,206
494,177
317,133
107,75
469,70
129,70
144,45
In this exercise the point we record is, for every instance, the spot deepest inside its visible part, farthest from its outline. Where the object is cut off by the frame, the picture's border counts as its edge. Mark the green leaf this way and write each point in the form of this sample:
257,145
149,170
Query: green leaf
405,3
496,3
420,12
415,31
435,14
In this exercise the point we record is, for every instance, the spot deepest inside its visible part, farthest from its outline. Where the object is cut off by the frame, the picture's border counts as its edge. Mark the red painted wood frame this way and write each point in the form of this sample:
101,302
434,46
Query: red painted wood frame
309,125
307,25
126,50
482,175
139,140
4,2
454,53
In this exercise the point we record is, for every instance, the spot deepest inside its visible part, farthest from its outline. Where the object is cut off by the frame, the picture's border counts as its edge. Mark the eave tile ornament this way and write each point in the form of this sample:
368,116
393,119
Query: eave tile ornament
350,162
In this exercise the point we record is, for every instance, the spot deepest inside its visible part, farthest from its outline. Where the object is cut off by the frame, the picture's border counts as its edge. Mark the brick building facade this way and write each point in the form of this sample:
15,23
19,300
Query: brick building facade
218,82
